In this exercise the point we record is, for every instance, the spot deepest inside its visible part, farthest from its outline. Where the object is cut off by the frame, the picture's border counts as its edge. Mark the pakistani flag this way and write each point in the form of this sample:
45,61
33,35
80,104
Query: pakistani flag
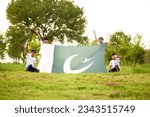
79,59
76,59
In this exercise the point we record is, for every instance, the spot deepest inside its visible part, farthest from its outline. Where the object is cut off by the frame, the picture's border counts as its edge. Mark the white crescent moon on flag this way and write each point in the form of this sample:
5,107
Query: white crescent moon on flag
67,66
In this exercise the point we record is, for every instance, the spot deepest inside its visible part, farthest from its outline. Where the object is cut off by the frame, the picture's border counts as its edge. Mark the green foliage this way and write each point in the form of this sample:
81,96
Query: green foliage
147,56
137,52
59,20
2,47
120,38
17,37
33,43
120,44
132,53
94,42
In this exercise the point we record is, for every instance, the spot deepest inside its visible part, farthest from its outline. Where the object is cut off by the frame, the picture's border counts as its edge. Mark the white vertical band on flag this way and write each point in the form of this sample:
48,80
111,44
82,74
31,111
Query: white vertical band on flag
46,58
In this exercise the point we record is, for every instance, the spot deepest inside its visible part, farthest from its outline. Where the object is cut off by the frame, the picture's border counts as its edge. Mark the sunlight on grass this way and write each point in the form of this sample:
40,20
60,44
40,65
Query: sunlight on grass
130,83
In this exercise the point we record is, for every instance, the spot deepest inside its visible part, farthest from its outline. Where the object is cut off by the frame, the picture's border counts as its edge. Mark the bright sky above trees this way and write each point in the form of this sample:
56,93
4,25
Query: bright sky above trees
106,17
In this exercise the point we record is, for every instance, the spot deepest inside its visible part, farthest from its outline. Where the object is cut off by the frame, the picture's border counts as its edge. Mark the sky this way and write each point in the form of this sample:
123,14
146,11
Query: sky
107,17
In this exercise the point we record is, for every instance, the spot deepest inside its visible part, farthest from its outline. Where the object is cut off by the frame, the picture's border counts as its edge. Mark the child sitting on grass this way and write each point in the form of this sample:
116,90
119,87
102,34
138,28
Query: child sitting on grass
114,63
31,60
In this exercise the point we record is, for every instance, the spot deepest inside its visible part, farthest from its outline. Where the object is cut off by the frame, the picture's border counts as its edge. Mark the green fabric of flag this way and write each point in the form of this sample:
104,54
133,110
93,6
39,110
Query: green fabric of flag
79,59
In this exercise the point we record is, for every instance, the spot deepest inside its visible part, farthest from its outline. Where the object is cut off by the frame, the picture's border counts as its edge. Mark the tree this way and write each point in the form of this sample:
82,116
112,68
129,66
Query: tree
132,53
33,44
147,56
2,47
137,52
58,19
120,43
17,37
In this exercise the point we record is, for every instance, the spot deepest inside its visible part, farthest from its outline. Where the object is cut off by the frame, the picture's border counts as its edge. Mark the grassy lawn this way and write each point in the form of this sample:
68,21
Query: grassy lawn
130,83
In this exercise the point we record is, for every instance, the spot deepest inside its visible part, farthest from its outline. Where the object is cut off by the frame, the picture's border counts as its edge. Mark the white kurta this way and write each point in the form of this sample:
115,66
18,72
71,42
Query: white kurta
30,60
46,58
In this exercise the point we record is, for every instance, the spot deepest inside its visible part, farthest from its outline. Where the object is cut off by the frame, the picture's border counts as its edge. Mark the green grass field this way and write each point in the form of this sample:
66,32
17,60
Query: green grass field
130,83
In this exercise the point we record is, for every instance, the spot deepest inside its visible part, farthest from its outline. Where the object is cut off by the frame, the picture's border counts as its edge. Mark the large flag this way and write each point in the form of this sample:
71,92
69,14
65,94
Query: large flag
73,59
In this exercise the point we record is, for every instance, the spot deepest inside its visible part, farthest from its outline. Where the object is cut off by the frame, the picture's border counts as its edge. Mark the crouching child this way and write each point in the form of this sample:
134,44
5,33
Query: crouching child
30,62
114,65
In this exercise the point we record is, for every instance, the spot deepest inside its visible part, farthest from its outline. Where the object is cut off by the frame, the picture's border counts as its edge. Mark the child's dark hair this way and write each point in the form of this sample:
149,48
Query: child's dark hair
113,54
45,38
101,38
33,51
